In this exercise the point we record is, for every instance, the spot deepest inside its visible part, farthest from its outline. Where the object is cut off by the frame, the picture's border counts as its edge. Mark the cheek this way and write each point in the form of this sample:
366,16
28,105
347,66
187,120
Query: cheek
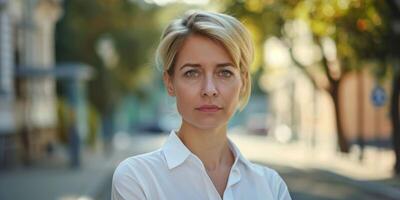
183,87
185,93
231,92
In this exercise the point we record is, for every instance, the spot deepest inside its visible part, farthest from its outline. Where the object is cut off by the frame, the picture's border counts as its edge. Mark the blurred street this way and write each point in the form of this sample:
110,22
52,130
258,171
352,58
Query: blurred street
80,92
93,179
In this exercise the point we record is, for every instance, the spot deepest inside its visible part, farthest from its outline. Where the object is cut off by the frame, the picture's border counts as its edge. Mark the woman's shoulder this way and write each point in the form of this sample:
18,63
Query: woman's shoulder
276,183
267,172
270,173
130,178
138,163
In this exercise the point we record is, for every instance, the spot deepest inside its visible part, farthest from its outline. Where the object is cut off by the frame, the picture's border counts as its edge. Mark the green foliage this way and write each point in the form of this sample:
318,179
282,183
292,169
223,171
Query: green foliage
132,29
64,120
261,18
361,29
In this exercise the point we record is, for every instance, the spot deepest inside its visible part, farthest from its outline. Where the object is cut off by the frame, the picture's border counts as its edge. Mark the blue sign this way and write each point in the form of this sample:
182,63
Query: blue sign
378,96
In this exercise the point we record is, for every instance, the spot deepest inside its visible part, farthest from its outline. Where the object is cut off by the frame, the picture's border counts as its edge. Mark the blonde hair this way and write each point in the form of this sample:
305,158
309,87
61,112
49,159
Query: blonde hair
221,27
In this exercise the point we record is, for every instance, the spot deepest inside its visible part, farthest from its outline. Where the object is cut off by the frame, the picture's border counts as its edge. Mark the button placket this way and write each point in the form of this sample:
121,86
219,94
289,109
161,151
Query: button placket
211,190
228,194
234,177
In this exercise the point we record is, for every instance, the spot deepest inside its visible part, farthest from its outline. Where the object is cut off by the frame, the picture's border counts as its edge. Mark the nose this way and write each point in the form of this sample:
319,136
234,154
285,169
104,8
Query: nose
209,88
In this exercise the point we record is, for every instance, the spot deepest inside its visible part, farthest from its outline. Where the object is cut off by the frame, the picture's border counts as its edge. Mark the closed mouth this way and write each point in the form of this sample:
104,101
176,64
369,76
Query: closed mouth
208,108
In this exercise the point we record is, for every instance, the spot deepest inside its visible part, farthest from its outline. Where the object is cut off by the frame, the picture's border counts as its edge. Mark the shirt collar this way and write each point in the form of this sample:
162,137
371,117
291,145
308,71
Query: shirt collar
238,156
176,152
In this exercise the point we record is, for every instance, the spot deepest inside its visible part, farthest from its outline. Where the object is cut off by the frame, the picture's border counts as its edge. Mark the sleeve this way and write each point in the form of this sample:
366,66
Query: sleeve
281,190
125,186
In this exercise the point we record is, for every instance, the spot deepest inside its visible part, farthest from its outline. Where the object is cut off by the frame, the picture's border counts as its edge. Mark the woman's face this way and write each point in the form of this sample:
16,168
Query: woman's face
205,82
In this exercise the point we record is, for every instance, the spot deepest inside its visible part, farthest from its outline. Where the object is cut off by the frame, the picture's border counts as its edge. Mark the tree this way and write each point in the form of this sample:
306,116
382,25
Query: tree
393,52
357,27
116,38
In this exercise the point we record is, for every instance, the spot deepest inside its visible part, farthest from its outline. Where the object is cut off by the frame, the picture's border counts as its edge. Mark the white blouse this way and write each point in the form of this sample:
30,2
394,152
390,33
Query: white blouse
174,173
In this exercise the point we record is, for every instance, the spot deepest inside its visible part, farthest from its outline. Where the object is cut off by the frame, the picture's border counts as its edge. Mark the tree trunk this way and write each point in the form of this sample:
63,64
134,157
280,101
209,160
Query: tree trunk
395,117
341,138
334,92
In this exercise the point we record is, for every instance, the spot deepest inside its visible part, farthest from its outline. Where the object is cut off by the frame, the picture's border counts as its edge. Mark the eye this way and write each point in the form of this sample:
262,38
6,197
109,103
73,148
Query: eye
191,73
225,73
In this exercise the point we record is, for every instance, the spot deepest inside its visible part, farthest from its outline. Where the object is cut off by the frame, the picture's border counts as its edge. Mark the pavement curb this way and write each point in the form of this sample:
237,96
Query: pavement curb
377,188
100,184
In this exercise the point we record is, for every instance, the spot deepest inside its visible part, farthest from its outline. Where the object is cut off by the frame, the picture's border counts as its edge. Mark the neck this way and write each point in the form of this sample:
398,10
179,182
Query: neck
209,145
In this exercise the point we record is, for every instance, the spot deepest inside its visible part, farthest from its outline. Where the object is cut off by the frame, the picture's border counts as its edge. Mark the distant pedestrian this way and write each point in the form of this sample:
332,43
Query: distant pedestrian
205,58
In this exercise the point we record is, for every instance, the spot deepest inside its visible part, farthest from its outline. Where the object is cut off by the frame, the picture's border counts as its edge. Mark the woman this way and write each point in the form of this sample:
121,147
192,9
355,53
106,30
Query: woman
205,57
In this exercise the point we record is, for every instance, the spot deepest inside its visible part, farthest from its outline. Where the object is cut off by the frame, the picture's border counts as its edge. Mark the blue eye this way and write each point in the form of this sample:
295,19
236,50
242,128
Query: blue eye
191,73
225,73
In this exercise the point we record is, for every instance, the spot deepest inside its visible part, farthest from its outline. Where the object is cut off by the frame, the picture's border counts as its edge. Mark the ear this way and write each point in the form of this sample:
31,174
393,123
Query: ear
168,84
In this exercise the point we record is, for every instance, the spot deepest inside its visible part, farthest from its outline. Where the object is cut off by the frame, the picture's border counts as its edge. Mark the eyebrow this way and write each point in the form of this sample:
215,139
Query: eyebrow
198,65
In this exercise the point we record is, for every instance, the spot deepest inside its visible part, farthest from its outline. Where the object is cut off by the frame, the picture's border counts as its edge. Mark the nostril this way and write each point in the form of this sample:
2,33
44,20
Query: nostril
210,93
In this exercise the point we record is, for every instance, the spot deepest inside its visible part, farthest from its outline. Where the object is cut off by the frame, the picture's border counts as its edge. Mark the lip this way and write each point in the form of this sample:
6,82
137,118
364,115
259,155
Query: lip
208,108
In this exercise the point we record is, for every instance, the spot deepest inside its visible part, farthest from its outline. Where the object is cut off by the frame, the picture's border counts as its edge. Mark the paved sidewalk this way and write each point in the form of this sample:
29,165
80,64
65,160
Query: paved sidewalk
315,166
366,175
317,176
56,181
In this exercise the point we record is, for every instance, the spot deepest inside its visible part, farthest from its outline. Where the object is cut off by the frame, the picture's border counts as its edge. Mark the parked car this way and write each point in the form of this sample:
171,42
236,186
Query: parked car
257,123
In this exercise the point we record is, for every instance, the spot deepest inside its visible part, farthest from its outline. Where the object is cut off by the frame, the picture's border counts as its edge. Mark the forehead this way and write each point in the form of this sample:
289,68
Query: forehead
202,50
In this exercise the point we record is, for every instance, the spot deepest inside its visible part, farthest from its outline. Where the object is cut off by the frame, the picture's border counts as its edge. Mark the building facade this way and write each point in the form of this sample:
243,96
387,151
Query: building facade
28,109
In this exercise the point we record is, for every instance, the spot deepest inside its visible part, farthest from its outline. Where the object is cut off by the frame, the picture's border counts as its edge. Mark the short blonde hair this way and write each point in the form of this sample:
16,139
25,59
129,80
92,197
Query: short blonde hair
220,27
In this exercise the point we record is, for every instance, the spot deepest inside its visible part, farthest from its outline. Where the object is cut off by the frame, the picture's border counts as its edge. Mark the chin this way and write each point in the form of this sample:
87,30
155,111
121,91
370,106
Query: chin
209,124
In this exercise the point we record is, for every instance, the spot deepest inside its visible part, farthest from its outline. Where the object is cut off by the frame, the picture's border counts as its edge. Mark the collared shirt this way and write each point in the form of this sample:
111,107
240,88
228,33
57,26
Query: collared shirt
175,173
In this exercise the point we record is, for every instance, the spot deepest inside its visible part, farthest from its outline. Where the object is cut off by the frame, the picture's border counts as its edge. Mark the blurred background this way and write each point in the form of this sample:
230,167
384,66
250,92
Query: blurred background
79,92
